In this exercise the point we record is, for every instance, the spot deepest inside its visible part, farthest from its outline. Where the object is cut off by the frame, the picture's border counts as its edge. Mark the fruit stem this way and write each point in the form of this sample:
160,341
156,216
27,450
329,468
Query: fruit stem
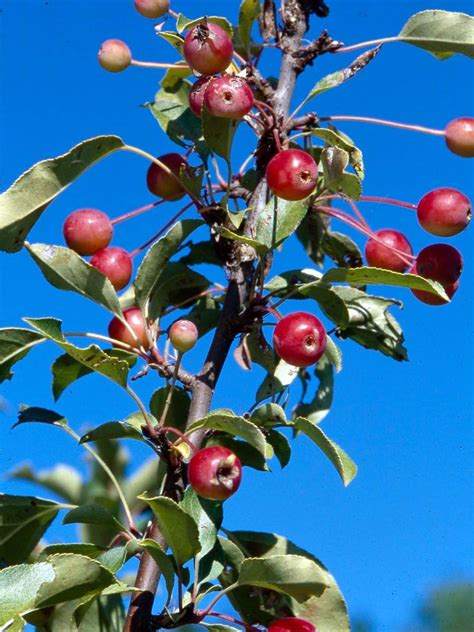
384,200
369,119
143,410
169,396
141,248
193,298
245,164
375,42
226,617
118,343
138,211
181,435
155,64
217,597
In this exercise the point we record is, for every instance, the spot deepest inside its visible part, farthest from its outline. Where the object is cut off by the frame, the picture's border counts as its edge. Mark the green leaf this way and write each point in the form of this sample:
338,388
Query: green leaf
229,234
310,233
333,354
178,410
377,276
15,344
106,614
282,377
24,202
246,453
177,285
442,33
285,282
62,578
268,415
172,38
320,406
336,178
331,304
93,514
113,430
346,468
162,561
341,249
218,133
156,258
205,314
248,13
178,528
201,252
208,516
61,479
184,24
35,414
23,522
174,76
66,270
81,548
278,220
294,575
226,421
281,446
92,357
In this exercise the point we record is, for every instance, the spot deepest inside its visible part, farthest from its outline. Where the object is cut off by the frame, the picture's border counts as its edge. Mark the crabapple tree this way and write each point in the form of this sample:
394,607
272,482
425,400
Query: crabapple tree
302,175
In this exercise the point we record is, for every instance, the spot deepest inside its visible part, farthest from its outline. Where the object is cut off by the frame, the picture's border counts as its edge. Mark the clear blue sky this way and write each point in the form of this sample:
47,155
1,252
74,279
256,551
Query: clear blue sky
407,520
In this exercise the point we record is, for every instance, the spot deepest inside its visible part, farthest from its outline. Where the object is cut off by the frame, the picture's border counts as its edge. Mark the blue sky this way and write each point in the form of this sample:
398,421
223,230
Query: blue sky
407,520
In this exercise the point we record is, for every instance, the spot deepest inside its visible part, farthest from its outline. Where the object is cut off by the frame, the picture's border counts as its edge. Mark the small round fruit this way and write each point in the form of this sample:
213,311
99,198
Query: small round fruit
215,473
439,262
460,136
116,264
208,48
299,339
136,322
444,212
87,230
292,174
229,97
161,183
183,335
114,55
379,255
431,299
196,95
292,624
152,8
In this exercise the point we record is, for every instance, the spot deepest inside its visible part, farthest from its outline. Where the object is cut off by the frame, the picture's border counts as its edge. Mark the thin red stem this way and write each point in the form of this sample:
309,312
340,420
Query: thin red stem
138,211
226,617
384,200
179,434
192,298
369,119
141,248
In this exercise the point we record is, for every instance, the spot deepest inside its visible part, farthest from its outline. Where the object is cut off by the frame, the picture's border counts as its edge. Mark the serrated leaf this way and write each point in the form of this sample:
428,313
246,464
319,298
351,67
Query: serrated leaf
341,249
278,220
177,285
92,357
229,234
183,23
172,38
156,258
178,410
334,161
178,528
310,233
268,415
113,430
442,33
226,421
218,133
93,514
61,578
62,479
316,410
248,13
208,516
23,522
15,344
333,354
24,202
174,76
346,468
283,375
106,614
281,446
247,454
294,575
66,270
80,548
377,276
162,561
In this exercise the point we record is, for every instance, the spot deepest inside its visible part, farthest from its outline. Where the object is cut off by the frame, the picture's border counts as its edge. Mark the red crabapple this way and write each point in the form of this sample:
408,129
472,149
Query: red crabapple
196,95
161,183
136,322
229,97
183,335
440,262
460,136
114,55
87,230
152,8
379,255
114,263
292,174
431,299
215,473
292,624
444,212
208,48
299,339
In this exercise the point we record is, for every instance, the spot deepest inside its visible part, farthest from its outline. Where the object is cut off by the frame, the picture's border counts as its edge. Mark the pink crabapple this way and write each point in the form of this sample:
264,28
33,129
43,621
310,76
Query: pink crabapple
87,230
152,8
114,263
459,135
196,95
379,255
299,339
291,624
183,335
292,174
444,212
114,55
228,97
208,48
214,473
136,322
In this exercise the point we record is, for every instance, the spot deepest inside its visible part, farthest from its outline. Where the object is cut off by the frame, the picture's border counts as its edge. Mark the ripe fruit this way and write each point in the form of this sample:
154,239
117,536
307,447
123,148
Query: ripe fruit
292,174
183,335
444,212
116,264
229,97
163,184
215,473
87,230
380,256
299,339
114,55
440,262
196,95
208,48
136,321
152,8
432,299
460,136
291,624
